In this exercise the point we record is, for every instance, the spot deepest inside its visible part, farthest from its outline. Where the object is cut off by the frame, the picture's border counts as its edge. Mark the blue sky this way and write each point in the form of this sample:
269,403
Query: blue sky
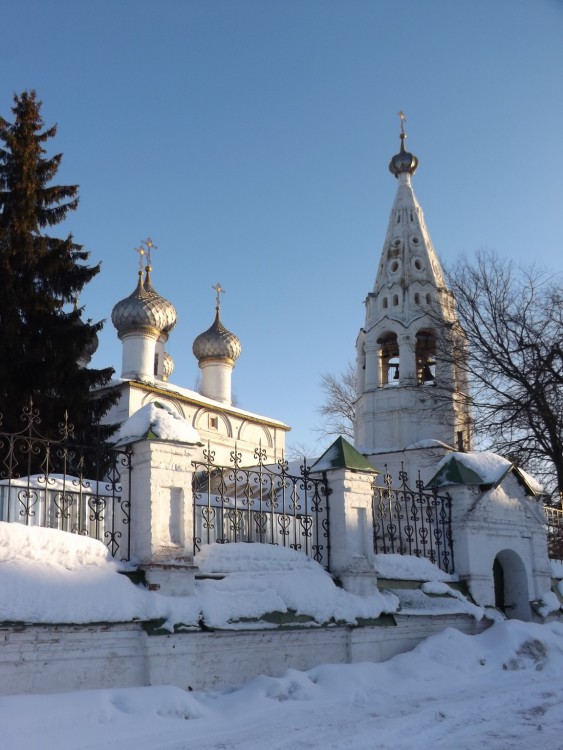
250,139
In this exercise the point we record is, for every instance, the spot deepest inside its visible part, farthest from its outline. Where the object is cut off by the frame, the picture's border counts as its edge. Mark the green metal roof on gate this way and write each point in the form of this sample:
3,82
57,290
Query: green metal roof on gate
342,455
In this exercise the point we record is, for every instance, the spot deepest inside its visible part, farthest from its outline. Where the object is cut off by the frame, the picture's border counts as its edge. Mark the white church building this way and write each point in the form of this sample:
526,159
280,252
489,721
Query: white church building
202,474
413,432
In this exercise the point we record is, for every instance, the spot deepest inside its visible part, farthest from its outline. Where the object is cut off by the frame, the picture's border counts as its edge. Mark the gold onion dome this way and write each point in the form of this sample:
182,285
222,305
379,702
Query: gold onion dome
144,309
404,162
217,343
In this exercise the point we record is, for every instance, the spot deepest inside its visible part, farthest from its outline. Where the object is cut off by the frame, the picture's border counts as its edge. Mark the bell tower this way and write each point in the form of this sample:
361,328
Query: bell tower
411,394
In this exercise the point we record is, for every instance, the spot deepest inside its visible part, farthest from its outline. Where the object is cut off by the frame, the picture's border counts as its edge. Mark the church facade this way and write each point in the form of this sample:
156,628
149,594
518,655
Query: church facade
144,321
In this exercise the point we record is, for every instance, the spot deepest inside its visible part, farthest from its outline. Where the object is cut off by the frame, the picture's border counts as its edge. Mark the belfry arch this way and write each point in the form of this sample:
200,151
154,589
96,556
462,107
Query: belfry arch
425,352
390,359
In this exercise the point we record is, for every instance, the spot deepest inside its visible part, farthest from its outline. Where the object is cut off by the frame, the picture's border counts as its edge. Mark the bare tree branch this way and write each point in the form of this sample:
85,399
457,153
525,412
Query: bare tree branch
339,407
512,322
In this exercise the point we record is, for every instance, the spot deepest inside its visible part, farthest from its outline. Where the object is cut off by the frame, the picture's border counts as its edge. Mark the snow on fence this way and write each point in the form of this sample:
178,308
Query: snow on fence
413,522
262,503
49,483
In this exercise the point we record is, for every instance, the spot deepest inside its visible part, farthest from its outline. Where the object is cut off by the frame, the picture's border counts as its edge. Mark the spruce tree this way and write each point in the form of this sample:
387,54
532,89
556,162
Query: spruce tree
41,277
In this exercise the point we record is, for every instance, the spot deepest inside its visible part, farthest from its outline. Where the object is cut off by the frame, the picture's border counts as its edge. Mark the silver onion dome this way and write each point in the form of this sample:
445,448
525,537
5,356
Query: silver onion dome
144,308
167,367
404,162
217,343
92,346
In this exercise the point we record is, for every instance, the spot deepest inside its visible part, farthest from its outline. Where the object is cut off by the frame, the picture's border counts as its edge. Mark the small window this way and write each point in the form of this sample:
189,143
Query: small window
418,264
398,218
428,299
416,298
395,300
214,423
155,365
385,303
394,266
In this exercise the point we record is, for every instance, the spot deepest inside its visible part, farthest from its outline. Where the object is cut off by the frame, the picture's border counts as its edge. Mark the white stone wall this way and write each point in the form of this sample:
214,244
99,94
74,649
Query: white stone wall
55,659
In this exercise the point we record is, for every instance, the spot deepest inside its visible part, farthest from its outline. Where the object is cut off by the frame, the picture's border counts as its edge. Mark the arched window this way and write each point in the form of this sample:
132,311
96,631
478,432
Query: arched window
385,303
425,357
416,298
428,299
395,300
389,359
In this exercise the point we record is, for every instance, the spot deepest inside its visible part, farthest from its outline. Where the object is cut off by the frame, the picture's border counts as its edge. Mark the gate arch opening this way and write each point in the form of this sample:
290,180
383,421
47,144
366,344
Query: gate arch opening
511,585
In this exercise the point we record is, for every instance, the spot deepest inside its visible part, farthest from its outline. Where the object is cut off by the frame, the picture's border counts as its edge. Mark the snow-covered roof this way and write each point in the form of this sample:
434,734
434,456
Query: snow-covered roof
474,467
157,421
197,398
481,468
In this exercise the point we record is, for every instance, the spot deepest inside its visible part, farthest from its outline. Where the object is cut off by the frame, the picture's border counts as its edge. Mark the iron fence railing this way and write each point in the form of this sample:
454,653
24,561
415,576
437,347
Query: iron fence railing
62,485
262,503
413,521
554,528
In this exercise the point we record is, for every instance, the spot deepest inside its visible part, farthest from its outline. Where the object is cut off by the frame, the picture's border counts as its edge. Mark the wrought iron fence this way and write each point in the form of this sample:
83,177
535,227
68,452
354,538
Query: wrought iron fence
413,521
554,528
262,503
61,485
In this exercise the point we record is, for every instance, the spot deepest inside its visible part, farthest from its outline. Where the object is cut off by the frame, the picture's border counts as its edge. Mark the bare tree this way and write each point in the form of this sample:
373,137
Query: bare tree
506,346
339,407
512,356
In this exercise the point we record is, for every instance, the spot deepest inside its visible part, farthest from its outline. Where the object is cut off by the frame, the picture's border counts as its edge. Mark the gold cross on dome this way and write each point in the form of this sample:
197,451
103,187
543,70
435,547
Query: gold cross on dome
149,245
141,251
219,289
403,120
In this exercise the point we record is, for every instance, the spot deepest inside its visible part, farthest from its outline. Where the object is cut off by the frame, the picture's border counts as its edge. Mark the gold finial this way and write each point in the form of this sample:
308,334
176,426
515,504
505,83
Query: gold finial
219,289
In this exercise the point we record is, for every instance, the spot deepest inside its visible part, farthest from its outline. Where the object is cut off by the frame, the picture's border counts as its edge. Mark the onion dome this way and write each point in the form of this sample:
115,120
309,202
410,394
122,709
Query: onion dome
404,162
92,346
93,342
217,343
144,309
167,366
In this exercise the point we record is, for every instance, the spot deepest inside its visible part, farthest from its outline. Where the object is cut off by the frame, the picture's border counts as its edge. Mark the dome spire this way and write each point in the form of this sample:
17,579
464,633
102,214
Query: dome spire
219,289
216,351
404,162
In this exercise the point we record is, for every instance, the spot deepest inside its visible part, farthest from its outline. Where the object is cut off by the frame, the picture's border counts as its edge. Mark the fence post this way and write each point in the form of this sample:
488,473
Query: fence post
162,514
351,528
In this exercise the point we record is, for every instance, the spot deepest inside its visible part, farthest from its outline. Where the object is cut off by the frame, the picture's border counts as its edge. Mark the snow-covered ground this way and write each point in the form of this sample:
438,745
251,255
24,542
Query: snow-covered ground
500,690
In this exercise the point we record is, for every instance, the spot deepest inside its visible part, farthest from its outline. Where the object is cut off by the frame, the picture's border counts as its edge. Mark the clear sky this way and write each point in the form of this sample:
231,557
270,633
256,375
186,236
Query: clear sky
250,139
